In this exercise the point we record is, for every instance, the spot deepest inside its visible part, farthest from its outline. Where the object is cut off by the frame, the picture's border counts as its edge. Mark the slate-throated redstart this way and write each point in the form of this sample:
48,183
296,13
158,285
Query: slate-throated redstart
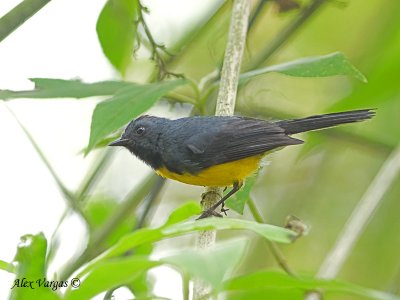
218,151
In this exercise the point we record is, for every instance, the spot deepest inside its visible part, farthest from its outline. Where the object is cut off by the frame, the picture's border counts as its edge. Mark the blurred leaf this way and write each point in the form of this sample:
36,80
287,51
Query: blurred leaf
110,274
382,62
5,266
313,142
104,142
31,255
191,59
262,294
126,104
116,30
98,210
238,201
183,212
211,265
60,88
277,280
318,66
145,235
31,261
270,232
382,92
142,285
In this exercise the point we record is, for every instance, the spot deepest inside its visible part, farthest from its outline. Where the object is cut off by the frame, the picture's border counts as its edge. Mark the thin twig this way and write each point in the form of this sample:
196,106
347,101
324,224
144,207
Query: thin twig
149,201
256,13
287,32
174,96
18,15
53,244
156,48
225,107
69,196
95,245
276,252
185,286
359,218
93,175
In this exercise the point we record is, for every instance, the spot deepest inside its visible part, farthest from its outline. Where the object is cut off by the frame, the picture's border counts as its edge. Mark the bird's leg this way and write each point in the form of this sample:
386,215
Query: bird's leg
223,209
211,211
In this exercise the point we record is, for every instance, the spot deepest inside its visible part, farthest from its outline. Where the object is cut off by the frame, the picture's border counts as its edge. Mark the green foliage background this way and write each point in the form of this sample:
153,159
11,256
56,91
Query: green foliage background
320,182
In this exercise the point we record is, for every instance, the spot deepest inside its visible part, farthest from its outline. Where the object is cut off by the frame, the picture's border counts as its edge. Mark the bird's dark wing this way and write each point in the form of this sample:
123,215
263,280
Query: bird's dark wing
235,139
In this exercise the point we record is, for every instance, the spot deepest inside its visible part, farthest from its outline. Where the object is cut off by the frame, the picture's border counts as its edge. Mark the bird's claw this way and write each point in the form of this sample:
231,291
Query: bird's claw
224,210
208,213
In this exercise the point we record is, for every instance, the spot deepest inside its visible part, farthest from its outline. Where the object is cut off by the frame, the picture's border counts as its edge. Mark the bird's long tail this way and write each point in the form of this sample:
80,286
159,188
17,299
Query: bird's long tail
324,121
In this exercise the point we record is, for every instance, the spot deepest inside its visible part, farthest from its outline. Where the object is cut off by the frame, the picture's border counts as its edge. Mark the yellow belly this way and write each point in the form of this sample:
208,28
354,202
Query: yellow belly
219,175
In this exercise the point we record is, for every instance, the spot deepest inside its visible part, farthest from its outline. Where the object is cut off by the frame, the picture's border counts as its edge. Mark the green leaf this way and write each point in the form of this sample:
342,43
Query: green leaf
116,30
31,262
142,285
98,210
277,280
31,255
211,265
270,232
183,212
126,104
60,88
262,294
110,274
319,66
238,201
5,266
146,235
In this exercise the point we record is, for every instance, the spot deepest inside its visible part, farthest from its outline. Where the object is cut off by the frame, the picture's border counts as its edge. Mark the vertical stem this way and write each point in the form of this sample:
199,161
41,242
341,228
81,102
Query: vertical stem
225,107
233,57
185,286
359,218
276,252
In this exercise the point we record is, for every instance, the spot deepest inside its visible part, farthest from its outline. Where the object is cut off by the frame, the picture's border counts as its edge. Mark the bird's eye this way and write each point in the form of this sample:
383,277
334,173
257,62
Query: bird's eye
140,130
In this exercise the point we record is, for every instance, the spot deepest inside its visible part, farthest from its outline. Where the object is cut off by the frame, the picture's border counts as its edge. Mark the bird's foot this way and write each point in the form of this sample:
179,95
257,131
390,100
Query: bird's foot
208,213
224,210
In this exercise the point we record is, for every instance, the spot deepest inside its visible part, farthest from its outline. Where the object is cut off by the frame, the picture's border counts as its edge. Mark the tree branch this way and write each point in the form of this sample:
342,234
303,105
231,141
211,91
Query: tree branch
225,107
18,15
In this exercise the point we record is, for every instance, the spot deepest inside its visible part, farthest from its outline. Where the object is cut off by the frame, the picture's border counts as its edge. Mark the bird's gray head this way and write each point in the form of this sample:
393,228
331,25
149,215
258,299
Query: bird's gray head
141,138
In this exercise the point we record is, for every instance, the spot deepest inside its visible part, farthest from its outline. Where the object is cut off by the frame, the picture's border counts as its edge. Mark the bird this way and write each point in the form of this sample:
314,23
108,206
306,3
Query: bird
218,151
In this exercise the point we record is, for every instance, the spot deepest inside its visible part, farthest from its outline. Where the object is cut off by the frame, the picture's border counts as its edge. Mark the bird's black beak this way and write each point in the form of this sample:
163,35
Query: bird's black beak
120,142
